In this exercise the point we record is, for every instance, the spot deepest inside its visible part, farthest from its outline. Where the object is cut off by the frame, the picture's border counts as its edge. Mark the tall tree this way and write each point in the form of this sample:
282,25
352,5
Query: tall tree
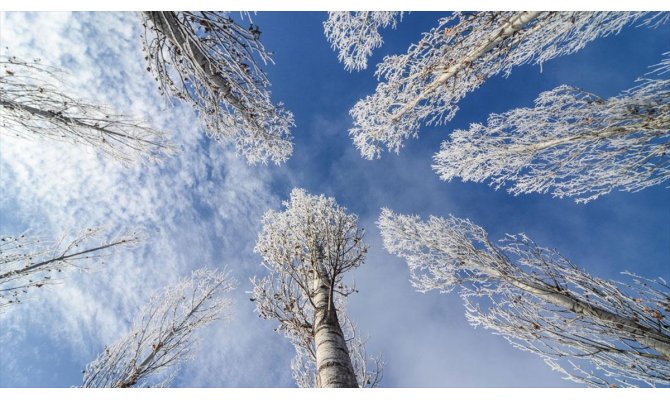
540,301
355,34
34,105
307,249
572,143
213,63
28,263
462,52
162,334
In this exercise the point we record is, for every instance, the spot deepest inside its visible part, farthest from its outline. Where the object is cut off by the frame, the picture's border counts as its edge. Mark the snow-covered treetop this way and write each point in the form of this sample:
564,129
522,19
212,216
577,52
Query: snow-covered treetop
355,34
311,231
312,239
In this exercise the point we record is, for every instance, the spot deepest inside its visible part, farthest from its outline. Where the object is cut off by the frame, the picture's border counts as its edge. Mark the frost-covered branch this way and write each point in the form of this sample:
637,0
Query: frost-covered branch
209,61
34,105
369,369
355,34
162,334
540,301
28,263
572,143
307,248
460,54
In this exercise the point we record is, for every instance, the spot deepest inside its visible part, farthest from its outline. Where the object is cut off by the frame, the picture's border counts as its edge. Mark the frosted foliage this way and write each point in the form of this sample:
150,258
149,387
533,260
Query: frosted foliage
460,54
28,263
34,105
312,240
572,143
593,330
162,334
355,34
313,230
214,64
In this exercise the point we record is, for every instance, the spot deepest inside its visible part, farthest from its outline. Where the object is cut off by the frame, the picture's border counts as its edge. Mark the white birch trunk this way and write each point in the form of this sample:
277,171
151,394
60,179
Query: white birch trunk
308,247
333,365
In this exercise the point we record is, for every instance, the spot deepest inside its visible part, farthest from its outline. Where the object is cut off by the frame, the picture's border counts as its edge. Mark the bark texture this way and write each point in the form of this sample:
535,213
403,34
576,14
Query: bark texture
333,364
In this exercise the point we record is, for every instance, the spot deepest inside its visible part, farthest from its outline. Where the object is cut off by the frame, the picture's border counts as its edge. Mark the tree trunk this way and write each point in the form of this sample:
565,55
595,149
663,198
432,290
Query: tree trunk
168,24
333,364
63,257
648,337
508,29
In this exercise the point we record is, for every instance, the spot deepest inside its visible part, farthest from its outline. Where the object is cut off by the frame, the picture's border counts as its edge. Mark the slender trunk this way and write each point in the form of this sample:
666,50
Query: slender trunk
605,133
73,122
178,331
167,24
508,29
63,257
333,363
134,376
646,336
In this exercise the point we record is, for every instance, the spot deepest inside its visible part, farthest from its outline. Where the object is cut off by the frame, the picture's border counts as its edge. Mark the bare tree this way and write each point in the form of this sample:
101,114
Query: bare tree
356,34
307,249
162,334
572,143
34,105
28,263
540,301
212,63
462,52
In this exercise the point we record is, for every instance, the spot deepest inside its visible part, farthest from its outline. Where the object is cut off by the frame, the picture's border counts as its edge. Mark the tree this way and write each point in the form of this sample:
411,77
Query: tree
162,334
308,248
461,53
212,63
33,105
572,143
540,301
28,263
356,34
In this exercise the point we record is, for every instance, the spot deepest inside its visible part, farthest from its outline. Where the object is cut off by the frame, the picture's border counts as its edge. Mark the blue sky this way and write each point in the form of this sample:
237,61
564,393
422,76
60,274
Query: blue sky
203,207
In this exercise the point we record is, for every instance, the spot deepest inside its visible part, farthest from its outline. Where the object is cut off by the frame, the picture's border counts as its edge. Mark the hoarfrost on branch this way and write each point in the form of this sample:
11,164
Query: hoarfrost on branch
355,34
572,143
28,262
593,330
162,334
34,105
211,62
459,55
